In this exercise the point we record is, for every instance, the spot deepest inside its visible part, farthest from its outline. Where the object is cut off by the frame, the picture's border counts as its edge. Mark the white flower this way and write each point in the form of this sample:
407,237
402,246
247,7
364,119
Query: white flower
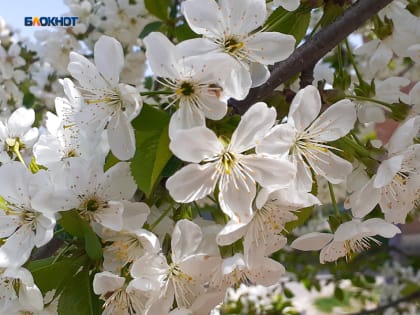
396,184
98,196
235,172
24,223
304,135
202,83
108,102
18,292
238,269
120,298
229,25
350,237
263,232
185,276
64,139
10,60
17,133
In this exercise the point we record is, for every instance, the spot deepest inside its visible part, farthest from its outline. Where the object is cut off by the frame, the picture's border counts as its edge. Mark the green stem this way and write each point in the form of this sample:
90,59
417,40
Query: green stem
333,201
17,152
153,93
340,59
156,223
350,54
358,147
367,99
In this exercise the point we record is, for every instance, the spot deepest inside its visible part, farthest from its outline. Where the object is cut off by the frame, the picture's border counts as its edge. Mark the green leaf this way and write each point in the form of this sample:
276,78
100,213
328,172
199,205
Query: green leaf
72,223
303,215
93,245
78,297
159,8
184,32
339,293
54,276
294,23
150,118
149,28
76,226
151,156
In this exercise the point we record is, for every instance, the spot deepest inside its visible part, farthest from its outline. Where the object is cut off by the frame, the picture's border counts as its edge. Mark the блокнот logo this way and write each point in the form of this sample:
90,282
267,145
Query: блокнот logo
51,21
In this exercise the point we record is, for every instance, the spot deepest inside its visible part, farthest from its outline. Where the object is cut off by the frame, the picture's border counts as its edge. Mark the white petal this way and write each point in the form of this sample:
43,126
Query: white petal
44,229
105,282
278,141
303,174
238,82
243,16
270,171
14,181
8,224
204,17
332,252
269,47
186,117
117,183
186,237
192,182
111,216
195,144
335,122
334,168
135,215
364,200
381,227
268,273
289,5
121,136
211,106
160,53
254,125
20,121
305,107
387,170
403,136
235,198
259,74
350,229
85,72
312,241
231,232
109,58
380,58
17,249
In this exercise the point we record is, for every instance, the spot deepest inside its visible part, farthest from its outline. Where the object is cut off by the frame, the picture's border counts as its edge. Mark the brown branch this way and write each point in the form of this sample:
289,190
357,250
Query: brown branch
380,309
313,50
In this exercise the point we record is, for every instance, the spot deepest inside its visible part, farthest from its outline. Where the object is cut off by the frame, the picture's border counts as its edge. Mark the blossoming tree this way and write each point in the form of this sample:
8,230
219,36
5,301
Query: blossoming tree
161,153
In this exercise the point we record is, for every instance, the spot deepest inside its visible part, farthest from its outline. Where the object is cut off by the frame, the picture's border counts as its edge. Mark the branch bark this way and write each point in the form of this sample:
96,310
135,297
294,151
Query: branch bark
379,310
313,50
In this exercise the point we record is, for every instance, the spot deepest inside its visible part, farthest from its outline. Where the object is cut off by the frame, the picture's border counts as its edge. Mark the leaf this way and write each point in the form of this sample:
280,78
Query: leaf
150,118
339,293
303,215
159,8
184,32
54,276
151,156
76,226
294,23
149,28
93,245
78,297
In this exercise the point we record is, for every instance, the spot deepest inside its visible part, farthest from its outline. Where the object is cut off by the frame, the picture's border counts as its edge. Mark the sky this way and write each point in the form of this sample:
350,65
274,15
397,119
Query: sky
14,12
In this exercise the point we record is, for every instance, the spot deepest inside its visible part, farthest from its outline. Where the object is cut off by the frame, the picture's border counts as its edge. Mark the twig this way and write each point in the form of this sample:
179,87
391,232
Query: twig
313,50
380,309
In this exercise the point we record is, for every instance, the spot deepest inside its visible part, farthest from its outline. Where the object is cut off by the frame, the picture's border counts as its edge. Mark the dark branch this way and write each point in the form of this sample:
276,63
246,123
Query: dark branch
313,50
379,310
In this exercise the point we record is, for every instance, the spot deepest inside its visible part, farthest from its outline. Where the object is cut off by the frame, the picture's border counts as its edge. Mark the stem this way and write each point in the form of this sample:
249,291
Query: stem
350,54
340,59
153,93
18,155
333,201
156,223
367,99
312,51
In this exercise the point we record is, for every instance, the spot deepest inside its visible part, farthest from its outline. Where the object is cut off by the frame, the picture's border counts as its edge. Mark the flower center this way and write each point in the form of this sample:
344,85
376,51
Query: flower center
232,45
227,161
185,89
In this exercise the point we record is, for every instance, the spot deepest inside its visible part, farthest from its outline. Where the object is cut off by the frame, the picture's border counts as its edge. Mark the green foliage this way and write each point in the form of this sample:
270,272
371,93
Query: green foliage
151,27
54,275
159,8
152,152
78,297
76,226
295,23
184,32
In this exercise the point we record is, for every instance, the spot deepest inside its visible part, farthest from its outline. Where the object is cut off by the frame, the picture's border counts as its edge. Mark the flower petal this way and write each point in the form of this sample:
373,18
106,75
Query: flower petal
305,107
121,136
312,241
186,117
186,237
109,59
387,170
192,182
381,227
243,16
364,200
278,141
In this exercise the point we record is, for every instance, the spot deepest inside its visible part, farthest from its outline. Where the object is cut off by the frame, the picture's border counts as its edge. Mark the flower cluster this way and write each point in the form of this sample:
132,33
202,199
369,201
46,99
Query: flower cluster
158,198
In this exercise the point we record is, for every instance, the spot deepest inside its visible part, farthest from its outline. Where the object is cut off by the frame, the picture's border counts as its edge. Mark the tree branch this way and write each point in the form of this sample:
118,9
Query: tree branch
313,50
380,309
